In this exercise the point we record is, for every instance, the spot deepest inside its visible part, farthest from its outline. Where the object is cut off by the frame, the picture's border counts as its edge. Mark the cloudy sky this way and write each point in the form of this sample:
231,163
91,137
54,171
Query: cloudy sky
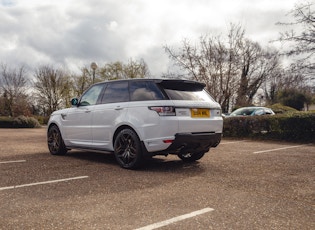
73,33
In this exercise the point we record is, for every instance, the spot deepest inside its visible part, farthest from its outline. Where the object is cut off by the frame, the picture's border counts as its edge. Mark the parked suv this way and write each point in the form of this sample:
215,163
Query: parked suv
139,118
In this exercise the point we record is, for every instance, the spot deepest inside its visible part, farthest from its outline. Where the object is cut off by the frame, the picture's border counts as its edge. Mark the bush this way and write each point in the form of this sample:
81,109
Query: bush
281,109
298,127
19,122
6,122
43,120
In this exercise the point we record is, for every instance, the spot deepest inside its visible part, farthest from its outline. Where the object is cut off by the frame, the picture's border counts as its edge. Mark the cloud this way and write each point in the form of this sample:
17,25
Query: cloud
74,33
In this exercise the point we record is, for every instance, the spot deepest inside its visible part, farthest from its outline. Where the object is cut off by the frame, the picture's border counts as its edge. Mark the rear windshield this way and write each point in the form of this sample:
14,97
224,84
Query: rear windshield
185,90
201,95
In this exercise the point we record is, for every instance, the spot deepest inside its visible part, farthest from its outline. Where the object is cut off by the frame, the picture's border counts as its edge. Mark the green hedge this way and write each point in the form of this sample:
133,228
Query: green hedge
19,122
298,127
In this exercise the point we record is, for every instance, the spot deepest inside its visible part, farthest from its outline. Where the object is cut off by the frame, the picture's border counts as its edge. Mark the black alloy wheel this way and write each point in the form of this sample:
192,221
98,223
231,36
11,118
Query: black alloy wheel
55,142
127,149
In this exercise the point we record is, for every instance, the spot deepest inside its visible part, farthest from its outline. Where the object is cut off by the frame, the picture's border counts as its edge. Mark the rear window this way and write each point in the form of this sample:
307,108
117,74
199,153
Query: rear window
185,90
188,95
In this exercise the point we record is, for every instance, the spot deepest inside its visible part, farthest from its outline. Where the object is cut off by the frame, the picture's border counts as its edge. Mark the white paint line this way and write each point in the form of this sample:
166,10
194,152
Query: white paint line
44,182
9,162
175,219
272,150
230,142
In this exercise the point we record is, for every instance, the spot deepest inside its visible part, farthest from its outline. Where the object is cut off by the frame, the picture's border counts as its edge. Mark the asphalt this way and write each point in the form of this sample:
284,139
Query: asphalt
241,184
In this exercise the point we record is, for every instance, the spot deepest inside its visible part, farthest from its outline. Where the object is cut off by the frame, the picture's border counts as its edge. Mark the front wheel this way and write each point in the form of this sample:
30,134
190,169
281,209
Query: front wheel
55,142
127,149
191,157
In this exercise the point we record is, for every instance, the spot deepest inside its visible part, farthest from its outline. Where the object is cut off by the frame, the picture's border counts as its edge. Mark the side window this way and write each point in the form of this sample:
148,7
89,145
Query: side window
259,112
116,92
144,91
91,96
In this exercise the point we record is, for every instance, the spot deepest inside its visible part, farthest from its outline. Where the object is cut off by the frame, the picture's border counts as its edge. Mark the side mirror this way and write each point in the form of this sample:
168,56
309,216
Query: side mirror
74,101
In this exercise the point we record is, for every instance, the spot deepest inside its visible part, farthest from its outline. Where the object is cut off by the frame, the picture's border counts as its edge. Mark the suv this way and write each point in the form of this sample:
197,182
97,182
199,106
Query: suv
139,118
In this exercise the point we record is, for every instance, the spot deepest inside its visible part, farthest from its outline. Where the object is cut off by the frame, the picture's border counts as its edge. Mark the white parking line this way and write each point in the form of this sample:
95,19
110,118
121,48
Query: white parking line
8,162
271,150
175,219
44,182
231,142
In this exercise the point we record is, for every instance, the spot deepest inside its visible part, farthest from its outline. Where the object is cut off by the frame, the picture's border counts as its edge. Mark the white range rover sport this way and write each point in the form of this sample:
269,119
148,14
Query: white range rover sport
139,118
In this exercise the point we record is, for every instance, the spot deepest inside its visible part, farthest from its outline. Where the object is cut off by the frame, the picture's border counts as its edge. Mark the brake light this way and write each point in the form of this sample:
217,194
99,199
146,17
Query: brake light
168,141
164,110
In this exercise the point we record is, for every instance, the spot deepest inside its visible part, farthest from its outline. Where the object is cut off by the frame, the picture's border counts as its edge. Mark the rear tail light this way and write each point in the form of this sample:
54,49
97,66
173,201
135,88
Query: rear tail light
164,110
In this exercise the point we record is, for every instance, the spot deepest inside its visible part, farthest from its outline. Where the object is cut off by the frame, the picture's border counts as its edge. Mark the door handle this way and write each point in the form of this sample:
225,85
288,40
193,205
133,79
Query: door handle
118,108
87,111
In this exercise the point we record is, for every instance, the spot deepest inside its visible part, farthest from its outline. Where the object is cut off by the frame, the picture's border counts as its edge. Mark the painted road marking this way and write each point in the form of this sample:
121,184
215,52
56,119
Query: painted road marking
175,219
44,182
272,150
8,162
231,142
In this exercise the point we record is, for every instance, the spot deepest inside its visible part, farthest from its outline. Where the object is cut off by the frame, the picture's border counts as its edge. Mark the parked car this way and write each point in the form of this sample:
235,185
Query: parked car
251,111
139,118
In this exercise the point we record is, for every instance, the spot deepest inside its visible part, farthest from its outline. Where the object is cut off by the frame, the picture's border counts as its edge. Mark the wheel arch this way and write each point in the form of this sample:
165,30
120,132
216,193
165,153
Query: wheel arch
127,127
121,128
55,124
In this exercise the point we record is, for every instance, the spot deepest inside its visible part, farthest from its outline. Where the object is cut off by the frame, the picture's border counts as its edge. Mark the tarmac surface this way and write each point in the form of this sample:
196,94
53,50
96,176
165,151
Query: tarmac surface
241,184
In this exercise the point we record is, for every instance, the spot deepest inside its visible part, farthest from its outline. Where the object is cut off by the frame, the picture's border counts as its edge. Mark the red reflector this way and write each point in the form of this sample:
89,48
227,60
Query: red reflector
167,141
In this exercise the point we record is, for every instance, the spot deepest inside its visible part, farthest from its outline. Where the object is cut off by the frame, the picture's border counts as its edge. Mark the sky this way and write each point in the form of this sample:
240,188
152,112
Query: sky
71,34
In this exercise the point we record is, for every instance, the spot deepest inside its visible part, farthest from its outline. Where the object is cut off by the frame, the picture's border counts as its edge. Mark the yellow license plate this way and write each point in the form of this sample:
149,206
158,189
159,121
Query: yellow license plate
200,113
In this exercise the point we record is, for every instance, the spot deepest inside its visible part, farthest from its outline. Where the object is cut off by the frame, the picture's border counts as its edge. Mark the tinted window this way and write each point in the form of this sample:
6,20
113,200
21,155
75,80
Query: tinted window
259,112
116,92
188,95
144,91
91,96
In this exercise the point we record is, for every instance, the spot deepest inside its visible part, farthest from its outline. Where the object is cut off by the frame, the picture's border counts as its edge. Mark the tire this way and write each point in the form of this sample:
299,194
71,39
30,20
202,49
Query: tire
55,142
191,157
127,149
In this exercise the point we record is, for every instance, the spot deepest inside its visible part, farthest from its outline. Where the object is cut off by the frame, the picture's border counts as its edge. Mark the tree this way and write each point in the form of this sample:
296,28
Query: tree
257,66
292,98
119,70
233,69
13,87
81,82
53,89
302,42
210,62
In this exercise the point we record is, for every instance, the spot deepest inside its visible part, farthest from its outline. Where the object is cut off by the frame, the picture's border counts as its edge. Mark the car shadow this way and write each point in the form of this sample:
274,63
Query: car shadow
155,164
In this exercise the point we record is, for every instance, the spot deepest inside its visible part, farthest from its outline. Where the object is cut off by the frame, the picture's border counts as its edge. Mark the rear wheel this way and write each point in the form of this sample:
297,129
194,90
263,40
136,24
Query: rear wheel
55,142
191,157
127,149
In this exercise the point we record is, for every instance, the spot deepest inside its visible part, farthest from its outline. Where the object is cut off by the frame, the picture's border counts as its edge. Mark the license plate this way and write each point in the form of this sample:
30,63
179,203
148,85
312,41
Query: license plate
200,113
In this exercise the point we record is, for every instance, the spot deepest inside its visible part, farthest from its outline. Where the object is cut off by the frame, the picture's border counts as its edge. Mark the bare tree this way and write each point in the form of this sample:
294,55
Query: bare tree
257,66
13,88
81,82
136,69
202,62
119,70
233,69
301,42
52,89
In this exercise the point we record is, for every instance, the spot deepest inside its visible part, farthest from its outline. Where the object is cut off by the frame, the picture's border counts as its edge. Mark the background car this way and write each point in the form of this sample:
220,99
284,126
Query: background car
139,118
252,111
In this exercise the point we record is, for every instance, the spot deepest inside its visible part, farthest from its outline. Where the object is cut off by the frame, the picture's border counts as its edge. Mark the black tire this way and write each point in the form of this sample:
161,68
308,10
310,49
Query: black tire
55,142
127,149
191,157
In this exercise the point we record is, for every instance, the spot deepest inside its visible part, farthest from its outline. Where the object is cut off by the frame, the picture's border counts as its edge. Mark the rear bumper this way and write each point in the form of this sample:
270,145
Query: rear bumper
192,142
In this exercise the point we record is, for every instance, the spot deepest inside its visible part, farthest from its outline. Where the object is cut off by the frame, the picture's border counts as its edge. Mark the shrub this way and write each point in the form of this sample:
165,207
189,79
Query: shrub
299,126
281,109
6,122
19,122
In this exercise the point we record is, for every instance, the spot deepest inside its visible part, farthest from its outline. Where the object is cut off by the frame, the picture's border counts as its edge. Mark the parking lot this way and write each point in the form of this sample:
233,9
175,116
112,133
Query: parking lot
241,184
